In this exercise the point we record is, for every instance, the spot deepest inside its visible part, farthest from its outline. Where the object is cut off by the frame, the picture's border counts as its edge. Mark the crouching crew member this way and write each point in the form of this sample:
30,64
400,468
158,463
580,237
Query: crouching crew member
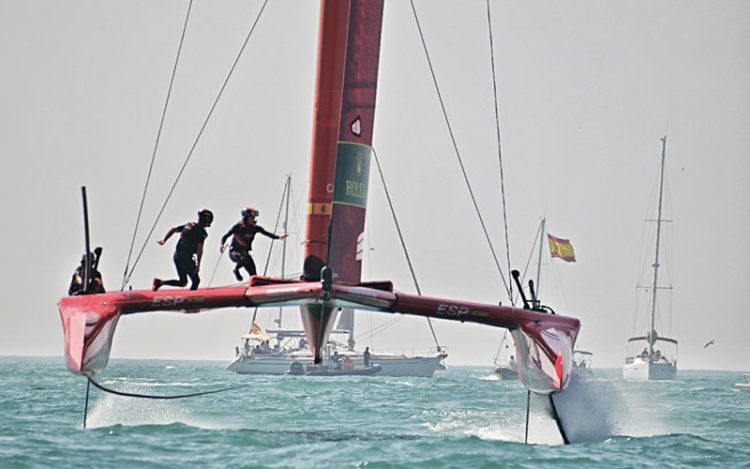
243,233
189,251
95,285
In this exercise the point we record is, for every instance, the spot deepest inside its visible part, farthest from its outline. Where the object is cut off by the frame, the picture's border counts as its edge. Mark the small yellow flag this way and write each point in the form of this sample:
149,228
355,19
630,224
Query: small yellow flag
561,248
255,329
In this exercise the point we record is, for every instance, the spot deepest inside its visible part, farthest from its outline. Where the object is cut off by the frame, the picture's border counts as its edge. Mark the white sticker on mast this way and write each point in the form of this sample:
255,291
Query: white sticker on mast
357,126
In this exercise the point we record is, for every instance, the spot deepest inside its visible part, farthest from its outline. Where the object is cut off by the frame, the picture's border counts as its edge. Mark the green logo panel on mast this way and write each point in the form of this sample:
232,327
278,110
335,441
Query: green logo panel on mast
352,174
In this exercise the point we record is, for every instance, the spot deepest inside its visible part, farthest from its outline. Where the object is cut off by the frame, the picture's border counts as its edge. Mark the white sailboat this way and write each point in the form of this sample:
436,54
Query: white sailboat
506,366
256,356
652,357
582,363
745,384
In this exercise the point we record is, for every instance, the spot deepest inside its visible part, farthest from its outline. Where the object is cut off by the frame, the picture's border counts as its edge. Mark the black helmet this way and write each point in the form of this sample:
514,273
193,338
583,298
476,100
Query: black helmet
205,216
91,257
249,212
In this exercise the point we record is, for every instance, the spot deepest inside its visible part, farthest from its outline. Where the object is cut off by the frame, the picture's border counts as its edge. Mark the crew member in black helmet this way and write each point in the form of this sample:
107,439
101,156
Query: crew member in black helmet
95,285
187,255
243,233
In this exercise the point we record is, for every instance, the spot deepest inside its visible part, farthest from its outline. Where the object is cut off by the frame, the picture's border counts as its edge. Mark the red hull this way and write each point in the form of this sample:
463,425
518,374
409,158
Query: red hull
89,321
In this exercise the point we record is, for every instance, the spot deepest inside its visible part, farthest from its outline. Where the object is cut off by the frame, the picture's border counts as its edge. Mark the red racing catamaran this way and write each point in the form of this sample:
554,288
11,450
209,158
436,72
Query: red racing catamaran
346,86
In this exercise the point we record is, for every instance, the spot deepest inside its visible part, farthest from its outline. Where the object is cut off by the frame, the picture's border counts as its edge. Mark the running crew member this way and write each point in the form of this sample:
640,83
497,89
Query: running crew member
189,251
243,233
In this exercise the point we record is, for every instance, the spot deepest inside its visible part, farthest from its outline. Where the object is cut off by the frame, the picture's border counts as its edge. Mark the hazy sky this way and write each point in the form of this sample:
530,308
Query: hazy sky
586,88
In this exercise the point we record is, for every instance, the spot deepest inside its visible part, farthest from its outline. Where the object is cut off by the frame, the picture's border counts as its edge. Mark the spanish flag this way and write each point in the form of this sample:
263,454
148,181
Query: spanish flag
561,248
255,329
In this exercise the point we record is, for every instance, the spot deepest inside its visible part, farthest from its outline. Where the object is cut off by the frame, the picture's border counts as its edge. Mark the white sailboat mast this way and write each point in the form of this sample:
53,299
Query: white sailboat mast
286,233
658,237
539,264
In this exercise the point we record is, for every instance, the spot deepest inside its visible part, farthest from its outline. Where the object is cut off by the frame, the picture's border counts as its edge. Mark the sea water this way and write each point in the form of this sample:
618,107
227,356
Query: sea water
462,417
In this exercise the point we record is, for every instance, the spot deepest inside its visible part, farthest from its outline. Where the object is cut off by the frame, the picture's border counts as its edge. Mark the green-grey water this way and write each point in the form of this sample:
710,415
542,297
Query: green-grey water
462,417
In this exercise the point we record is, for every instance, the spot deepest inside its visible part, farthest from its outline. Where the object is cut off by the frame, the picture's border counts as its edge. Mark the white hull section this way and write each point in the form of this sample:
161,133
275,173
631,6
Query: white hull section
423,367
265,365
645,370
745,385
279,364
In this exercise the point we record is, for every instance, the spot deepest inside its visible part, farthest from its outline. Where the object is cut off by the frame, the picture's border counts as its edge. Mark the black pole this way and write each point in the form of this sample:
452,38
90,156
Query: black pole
528,405
87,273
328,247
534,300
97,257
86,405
517,277
556,416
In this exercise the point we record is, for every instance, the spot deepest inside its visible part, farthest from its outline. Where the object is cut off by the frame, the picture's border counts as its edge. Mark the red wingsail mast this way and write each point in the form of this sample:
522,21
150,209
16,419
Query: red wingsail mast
334,21
355,140
317,320
346,83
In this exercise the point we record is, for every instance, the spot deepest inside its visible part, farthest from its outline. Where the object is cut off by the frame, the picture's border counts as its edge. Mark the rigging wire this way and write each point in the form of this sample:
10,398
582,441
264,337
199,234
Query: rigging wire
403,242
531,254
369,275
499,147
559,283
216,267
500,349
458,153
197,139
381,328
156,146
276,227
270,249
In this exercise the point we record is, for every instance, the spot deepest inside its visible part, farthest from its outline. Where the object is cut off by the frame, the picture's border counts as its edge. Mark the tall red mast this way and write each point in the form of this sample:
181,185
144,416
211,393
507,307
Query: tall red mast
332,36
346,84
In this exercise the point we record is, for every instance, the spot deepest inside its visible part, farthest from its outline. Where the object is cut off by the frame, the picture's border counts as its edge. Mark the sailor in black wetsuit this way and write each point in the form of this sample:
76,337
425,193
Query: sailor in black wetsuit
96,285
189,251
243,233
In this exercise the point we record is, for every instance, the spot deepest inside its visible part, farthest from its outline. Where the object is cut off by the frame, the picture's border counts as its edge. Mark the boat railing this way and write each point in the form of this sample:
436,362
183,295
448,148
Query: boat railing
415,352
